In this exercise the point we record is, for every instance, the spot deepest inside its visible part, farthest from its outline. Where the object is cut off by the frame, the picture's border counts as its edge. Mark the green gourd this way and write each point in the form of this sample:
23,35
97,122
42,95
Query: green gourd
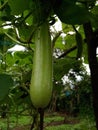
79,42
41,80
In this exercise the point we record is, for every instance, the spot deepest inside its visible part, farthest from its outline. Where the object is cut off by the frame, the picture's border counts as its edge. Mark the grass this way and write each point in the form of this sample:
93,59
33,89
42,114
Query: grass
2,124
83,124
22,120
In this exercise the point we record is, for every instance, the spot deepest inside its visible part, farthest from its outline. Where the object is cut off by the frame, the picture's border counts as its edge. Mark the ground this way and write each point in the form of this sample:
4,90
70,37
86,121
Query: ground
53,122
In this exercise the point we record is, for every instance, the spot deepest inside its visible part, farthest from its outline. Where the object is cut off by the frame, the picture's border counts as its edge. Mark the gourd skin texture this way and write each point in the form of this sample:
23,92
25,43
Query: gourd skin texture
41,80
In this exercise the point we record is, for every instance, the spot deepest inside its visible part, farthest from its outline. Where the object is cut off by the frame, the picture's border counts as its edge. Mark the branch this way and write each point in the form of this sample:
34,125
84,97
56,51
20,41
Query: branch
18,42
13,39
3,6
67,52
74,29
31,36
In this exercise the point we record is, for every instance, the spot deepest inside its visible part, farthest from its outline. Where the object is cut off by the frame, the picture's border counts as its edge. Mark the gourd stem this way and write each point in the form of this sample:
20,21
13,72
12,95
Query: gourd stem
41,112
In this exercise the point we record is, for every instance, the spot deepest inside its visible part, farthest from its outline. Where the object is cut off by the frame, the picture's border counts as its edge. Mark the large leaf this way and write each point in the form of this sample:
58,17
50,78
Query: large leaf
70,13
23,58
19,6
59,43
5,83
10,59
62,67
29,20
25,32
70,43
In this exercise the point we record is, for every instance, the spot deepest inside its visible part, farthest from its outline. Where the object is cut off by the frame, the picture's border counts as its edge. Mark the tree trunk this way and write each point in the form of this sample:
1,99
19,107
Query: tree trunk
93,64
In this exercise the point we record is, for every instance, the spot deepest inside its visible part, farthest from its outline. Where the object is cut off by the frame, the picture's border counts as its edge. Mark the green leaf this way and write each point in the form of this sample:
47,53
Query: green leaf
94,18
62,67
18,6
5,83
95,10
25,32
23,58
70,13
59,43
9,59
69,41
28,20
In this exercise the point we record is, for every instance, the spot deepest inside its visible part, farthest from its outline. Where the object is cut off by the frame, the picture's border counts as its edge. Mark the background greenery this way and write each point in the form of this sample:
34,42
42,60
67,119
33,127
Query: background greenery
71,95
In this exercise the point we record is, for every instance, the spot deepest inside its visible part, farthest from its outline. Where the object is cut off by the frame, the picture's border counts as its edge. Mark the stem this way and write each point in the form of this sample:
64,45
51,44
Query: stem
41,112
13,39
3,6
74,28
8,119
67,51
